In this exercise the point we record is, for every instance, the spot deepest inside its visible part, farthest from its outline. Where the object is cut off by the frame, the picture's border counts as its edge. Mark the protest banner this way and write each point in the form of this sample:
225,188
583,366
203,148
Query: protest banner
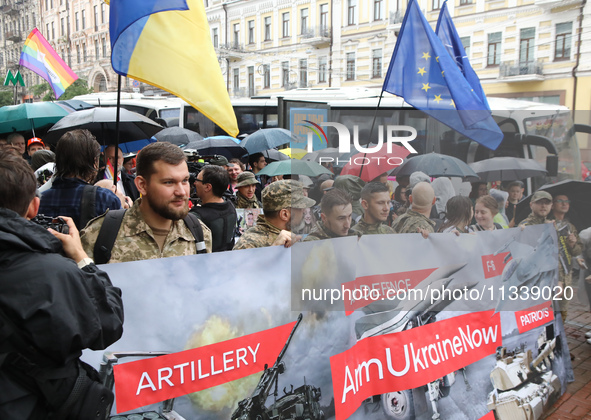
452,339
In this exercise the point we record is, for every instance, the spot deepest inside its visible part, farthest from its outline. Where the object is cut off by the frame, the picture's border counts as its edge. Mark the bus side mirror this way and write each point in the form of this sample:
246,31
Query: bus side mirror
552,165
161,121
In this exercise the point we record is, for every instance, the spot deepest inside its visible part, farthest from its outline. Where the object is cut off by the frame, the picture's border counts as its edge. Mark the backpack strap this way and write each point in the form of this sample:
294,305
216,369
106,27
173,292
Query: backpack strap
88,205
194,226
107,235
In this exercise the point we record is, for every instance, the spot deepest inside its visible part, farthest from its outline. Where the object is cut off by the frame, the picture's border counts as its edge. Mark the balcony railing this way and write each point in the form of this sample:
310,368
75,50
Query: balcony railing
532,70
317,36
396,17
13,36
232,50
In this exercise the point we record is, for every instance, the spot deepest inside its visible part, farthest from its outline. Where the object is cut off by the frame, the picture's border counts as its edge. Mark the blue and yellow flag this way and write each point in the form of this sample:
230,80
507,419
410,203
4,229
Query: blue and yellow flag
447,33
166,43
427,77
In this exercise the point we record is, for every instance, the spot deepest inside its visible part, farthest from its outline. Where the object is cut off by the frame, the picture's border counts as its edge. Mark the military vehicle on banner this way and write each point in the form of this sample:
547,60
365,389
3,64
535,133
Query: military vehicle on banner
524,387
302,403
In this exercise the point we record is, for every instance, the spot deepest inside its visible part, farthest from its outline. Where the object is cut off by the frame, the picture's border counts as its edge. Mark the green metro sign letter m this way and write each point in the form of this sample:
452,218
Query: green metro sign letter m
10,78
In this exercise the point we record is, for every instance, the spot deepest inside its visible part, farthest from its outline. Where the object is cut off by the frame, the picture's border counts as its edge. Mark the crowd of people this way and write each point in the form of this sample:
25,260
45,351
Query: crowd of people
150,206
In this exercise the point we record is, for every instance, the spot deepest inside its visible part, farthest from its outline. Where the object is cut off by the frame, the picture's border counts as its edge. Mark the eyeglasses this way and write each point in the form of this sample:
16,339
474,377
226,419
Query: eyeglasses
198,180
562,201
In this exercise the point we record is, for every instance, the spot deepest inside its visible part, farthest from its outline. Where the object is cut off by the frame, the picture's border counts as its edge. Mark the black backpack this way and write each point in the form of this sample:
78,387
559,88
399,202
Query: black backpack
112,224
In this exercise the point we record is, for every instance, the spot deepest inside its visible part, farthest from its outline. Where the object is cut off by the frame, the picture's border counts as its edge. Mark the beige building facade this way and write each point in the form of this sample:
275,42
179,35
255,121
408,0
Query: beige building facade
529,49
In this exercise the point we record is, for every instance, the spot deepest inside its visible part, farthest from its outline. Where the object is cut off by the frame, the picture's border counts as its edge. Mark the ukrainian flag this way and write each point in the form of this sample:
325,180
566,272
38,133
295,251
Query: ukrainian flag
166,43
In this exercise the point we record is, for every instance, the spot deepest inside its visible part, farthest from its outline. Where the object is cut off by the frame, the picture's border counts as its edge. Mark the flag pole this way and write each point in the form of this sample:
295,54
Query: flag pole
375,116
117,119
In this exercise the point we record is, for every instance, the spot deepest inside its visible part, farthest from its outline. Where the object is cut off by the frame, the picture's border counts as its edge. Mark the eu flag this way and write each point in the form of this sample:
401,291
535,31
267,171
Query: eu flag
446,31
427,77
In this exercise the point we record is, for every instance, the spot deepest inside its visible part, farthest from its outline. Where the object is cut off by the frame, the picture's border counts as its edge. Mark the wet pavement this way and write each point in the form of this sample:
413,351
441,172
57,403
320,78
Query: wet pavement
575,403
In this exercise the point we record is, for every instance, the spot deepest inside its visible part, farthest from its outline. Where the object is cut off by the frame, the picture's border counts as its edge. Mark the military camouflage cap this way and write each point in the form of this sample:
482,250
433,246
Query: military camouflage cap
285,194
219,161
246,178
541,195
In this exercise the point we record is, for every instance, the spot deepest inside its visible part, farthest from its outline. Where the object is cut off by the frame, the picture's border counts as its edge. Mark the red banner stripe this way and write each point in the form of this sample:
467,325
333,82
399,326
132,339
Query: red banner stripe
534,317
149,381
411,358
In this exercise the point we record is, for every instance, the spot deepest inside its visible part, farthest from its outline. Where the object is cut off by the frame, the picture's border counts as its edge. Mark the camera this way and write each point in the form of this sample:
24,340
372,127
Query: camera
56,223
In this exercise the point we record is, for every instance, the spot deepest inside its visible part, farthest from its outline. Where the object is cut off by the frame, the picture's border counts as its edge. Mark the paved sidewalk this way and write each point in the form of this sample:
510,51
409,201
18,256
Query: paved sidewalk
575,403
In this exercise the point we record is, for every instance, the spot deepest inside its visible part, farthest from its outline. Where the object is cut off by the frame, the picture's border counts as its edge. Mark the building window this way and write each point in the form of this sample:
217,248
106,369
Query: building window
463,2
376,63
564,33
52,30
102,12
351,66
285,20
236,81
466,44
104,47
304,21
285,74
83,19
96,22
78,54
63,26
214,37
322,70
268,28
84,56
266,76
323,17
251,31
47,28
351,6
494,49
303,73
251,81
96,49
437,4
236,35
377,9
526,45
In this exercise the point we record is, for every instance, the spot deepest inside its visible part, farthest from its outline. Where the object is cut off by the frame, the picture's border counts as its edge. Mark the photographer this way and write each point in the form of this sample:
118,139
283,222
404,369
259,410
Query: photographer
51,308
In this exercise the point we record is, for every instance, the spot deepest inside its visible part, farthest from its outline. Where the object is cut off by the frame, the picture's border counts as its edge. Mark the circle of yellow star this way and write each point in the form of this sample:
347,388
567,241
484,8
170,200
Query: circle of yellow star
437,98
426,87
422,71
426,55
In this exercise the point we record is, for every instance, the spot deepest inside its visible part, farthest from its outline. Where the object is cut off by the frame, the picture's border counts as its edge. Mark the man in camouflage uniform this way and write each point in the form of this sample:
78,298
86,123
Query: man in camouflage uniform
569,244
541,206
416,219
153,227
336,210
375,200
283,206
245,195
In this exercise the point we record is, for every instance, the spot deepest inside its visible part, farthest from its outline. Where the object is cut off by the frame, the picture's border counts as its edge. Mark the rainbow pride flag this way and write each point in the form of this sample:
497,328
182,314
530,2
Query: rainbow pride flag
41,58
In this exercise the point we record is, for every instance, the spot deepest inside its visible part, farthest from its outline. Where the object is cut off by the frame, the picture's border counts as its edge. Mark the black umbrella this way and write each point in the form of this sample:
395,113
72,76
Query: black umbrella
579,194
178,135
101,123
274,155
436,165
507,169
211,146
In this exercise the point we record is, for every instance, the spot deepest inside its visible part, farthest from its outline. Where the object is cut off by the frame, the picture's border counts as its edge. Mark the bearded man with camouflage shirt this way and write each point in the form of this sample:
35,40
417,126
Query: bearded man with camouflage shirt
283,206
153,227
